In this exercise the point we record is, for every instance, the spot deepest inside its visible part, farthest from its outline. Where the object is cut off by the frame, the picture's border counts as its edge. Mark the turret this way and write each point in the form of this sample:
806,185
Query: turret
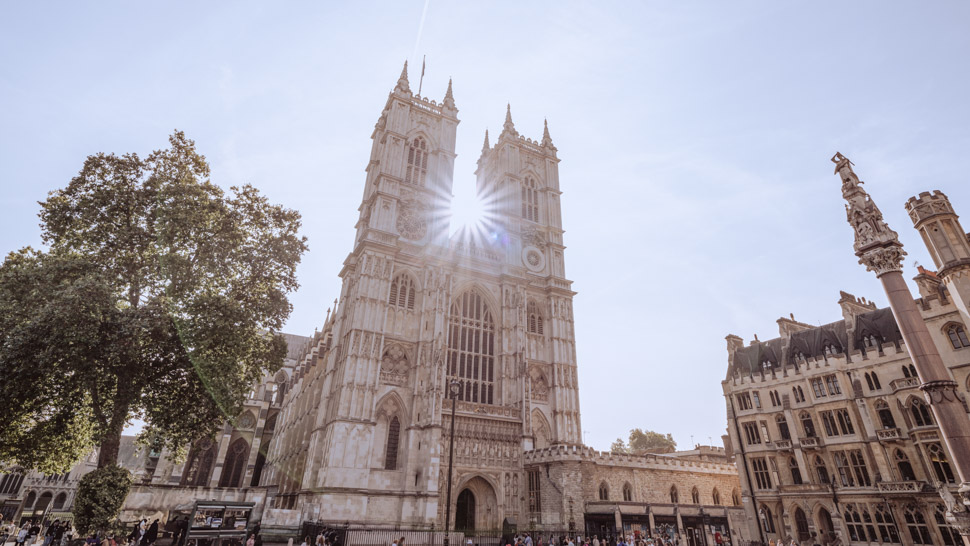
934,218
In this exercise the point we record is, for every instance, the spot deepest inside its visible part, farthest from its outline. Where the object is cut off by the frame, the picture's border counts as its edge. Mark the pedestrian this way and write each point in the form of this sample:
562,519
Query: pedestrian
251,541
151,535
34,531
306,541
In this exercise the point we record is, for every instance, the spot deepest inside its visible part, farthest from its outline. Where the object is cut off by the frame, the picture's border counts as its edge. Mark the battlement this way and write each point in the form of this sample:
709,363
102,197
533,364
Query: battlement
928,205
586,454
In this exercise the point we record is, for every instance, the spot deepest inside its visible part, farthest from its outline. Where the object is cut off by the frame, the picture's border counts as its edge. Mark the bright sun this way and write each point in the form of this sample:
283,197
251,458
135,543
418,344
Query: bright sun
467,211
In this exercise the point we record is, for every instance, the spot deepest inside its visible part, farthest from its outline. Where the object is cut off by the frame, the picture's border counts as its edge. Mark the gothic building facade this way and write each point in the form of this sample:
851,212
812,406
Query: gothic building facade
364,430
832,434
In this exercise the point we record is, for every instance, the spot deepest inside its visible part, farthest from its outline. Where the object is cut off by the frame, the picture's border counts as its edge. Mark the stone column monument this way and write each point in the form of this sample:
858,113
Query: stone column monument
879,249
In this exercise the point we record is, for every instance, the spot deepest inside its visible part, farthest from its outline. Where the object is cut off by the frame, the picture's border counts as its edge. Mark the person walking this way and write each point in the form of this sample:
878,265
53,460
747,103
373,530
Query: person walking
151,535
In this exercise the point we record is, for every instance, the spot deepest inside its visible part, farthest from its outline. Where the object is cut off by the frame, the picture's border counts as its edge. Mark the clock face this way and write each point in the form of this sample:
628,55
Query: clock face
533,259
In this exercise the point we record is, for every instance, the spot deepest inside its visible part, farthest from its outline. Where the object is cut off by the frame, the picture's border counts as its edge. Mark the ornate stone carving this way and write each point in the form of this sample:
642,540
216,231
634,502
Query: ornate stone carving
412,220
876,245
533,259
246,421
395,366
534,237
540,391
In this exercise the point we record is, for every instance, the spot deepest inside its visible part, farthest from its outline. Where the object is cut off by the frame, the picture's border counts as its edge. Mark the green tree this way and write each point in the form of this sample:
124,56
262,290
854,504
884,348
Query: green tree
100,496
619,446
648,441
160,298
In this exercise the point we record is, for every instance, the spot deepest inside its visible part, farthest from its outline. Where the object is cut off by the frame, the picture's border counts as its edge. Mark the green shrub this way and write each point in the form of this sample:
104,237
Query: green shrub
99,498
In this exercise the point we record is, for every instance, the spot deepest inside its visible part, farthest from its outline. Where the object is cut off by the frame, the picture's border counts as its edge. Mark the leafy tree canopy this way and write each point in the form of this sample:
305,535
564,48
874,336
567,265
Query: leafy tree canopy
645,441
160,298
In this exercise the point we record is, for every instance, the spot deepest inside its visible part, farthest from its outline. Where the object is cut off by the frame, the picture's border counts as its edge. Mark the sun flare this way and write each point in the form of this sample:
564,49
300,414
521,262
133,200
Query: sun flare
468,212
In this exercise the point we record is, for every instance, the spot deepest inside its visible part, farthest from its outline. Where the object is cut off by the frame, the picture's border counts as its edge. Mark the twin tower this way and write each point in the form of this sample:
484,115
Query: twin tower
482,316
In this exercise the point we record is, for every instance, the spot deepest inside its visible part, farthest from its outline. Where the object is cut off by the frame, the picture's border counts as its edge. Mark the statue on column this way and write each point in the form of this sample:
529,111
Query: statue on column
876,244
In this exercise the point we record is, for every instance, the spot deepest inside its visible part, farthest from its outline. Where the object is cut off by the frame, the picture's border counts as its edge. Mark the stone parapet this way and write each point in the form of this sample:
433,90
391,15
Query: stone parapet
585,454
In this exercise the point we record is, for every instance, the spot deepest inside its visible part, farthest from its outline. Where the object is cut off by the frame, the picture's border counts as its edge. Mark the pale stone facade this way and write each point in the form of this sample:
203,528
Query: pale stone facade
828,424
364,431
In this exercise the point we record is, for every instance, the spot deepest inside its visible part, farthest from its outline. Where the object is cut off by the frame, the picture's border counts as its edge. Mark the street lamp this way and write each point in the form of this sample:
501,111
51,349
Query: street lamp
453,387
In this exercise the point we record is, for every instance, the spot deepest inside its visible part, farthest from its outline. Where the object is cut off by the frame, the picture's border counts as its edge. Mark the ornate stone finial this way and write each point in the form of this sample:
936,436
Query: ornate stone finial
546,139
402,83
449,101
509,127
486,146
876,245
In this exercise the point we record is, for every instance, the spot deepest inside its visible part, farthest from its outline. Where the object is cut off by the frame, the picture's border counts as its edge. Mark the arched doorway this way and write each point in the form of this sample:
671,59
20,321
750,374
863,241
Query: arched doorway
465,511
801,525
825,527
477,505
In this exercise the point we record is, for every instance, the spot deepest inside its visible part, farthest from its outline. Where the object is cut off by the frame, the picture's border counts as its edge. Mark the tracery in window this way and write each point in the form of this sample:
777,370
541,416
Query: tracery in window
735,498
885,414
417,169
471,348
199,463
916,525
604,491
235,464
535,318
695,496
796,473
716,497
906,473
627,492
951,537
921,413
821,472
530,200
808,424
402,292
941,466
958,336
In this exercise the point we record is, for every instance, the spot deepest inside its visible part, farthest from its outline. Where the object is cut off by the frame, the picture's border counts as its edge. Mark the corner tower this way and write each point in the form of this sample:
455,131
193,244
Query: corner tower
939,225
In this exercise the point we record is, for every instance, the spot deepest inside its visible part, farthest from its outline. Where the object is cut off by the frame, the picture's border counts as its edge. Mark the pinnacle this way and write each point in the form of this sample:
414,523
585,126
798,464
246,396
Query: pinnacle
546,139
402,82
509,127
486,146
449,101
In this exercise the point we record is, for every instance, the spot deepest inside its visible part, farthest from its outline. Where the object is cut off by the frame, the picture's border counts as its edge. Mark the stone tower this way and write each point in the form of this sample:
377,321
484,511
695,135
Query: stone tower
363,436
933,217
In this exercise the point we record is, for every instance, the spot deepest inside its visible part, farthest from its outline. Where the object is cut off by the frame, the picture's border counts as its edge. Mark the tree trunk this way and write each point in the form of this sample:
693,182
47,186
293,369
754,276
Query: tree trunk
111,441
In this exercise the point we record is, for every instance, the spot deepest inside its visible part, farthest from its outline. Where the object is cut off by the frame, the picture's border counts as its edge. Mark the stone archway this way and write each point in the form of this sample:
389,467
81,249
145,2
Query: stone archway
825,526
476,507
465,511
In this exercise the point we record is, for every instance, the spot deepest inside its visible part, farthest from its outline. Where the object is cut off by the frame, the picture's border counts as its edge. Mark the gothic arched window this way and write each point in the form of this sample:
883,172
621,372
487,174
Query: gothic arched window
716,496
530,199
906,473
402,292
471,348
808,424
735,498
627,492
782,426
59,501
921,414
941,466
695,496
535,318
958,336
199,464
604,491
951,537
885,414
796,473
821,471
674,498
767,522
393,439
417,169
875,381
235,465
916,525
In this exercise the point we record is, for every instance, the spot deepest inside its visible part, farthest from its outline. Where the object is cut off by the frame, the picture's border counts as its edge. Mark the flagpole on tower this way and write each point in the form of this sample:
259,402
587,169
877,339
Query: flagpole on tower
421,81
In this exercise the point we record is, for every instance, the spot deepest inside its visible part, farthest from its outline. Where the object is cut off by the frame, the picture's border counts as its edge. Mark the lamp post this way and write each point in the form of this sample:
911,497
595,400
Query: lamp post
453,388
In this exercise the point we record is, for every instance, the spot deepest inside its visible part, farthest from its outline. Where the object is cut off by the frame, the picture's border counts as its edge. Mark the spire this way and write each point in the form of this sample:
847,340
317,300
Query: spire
508,127
486,146
402,82
876,245
546,139
449,101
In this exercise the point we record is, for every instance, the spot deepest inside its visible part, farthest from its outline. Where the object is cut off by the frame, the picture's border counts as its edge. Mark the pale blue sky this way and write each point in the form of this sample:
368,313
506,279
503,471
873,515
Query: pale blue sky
695,139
